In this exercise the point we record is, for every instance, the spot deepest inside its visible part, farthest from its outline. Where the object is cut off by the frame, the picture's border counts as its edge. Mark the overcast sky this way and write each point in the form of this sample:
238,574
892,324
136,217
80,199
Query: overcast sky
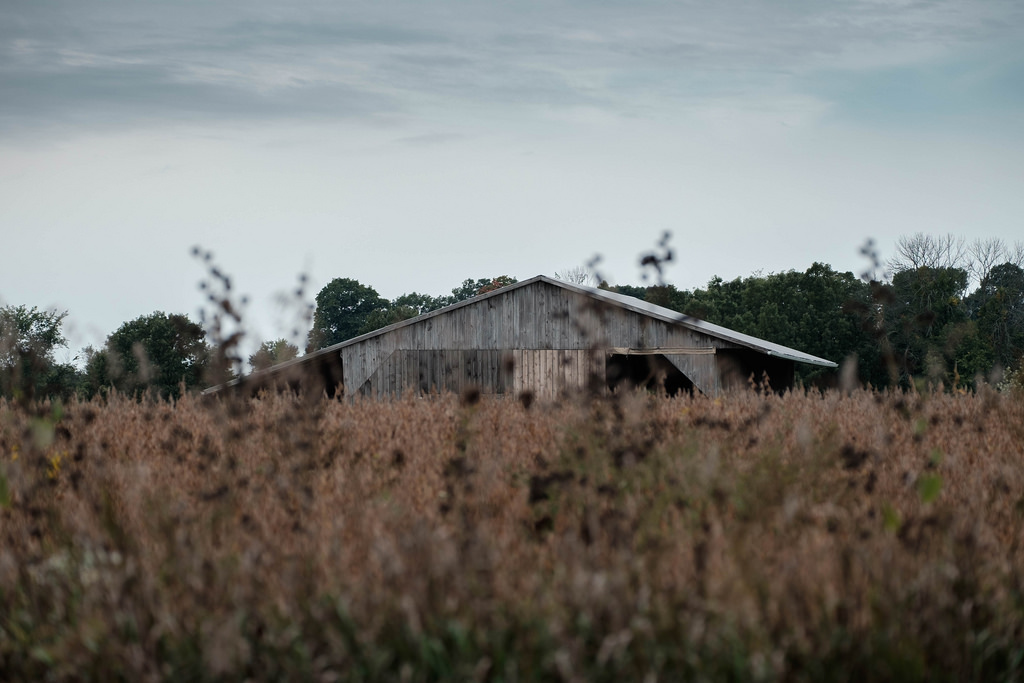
412,145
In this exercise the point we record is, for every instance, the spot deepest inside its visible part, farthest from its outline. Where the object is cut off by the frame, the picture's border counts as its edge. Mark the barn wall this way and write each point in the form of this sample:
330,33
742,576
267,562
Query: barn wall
546,372
424,371
702,370
549,373
546,330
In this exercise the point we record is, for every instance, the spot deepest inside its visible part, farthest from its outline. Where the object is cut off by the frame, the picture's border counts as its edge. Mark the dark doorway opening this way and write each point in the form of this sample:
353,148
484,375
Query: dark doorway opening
652,372
744,367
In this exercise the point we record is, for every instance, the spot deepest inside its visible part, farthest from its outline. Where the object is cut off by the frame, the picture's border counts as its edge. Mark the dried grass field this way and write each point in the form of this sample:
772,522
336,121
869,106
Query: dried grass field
797,537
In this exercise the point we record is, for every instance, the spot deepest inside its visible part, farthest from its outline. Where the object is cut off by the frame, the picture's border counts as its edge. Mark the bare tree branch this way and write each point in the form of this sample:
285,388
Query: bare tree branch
577,275
928,251
984,256
1015,255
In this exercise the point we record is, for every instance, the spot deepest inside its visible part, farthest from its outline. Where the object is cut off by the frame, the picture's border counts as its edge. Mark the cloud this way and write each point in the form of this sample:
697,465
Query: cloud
125,64
111,97
429,139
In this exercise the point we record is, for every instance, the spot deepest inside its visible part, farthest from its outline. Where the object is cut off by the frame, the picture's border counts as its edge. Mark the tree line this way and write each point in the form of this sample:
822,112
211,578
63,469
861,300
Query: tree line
161,354
941,311
156,353
945,313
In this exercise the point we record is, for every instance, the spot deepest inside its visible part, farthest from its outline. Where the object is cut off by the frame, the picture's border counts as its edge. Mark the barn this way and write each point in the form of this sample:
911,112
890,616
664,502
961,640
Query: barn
546,337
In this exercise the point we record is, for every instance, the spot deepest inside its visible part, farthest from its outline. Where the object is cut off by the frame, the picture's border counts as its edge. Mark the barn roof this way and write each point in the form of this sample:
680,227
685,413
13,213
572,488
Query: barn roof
613,298
667,314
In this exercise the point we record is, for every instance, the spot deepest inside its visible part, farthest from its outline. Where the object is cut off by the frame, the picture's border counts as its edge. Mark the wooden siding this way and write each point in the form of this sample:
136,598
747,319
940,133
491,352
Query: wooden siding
425,371
701,369
548,373
549,332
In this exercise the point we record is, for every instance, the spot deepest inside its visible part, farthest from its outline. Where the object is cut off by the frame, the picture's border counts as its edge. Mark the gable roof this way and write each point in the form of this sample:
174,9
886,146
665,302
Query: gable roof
612,298
668,315
615,299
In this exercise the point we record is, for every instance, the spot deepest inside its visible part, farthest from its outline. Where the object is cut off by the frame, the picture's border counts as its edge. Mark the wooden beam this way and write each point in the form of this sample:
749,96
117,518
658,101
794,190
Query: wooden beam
667,351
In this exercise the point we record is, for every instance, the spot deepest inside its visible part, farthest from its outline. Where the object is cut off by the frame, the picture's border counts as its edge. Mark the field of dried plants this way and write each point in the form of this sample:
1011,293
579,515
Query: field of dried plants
753,537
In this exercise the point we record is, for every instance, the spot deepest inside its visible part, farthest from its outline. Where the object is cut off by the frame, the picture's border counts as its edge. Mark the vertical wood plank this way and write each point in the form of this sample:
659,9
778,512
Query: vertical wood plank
492,321
504,339
520,370
526,365
531,364
543,318
529,318
541,374
581,370
568,370
548,373
493,376
432,363
539,378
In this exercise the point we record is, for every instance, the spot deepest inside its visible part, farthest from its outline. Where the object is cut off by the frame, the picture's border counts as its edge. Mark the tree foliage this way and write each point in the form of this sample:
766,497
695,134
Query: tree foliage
818,311
420,303
923,325
29,339
342,309
470,288
925,321
998,308
496,284
467,290
156,352
271,353
387,316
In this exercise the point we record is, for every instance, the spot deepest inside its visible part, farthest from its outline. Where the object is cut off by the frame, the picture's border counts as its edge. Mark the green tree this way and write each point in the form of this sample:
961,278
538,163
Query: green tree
403,308
496,283
997,306
342,309
628,290
467,290
387,316
96,375
819,311
925,321
421,303
470,288
155,352
660,295
29,338
271,353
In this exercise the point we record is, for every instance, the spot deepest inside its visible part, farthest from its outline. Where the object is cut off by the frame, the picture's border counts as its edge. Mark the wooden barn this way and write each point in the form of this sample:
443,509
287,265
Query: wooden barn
546,337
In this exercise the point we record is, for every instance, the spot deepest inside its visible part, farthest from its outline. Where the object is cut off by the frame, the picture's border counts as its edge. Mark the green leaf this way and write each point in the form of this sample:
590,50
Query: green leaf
890,518
928,487
5,492
40,654
42,433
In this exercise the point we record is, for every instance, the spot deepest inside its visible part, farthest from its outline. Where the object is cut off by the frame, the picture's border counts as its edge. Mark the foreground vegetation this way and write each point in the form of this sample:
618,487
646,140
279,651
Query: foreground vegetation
799,537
